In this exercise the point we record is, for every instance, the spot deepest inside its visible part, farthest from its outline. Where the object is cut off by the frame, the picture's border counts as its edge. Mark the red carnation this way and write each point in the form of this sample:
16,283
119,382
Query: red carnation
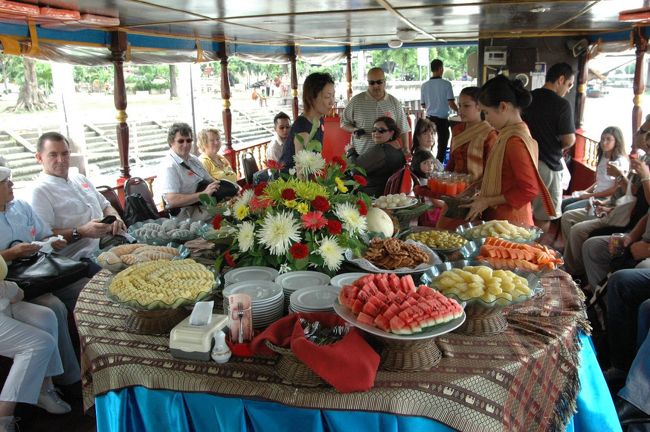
334,227
299,251
274,165
320,203
360,179
288,194
216,222
229,259
259,189
338,160
363,209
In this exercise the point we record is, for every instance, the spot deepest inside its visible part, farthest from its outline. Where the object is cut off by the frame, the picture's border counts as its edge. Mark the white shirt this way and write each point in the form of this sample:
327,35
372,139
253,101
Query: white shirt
274,149
174,178
604,181
64,204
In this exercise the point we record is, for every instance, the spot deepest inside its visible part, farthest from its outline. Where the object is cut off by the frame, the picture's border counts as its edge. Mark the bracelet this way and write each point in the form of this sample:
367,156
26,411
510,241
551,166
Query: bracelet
645,179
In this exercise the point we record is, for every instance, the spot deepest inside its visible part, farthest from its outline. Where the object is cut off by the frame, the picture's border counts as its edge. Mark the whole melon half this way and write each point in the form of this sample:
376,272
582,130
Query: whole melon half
379,221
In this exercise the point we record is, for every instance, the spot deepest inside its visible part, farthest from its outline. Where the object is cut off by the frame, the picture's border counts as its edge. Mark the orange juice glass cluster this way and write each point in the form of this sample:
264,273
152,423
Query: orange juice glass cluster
450,184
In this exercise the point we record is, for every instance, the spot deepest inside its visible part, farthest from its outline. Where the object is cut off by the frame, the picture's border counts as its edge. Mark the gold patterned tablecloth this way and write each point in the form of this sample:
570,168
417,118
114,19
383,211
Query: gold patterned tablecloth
523,379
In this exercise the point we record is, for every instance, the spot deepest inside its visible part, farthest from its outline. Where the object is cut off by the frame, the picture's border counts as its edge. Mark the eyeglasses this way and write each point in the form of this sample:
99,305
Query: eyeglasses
184,140
379,130
378,82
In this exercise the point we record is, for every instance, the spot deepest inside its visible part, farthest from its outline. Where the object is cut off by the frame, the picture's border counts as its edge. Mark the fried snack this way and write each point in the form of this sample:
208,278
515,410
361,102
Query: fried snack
393,253
125,248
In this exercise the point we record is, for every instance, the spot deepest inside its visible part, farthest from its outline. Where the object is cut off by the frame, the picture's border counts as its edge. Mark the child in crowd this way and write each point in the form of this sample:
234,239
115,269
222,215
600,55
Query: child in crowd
423,166
611,150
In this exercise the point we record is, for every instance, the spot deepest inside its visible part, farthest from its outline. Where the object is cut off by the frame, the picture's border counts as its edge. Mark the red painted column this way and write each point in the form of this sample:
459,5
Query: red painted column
641,44
229,152
294,83
118,52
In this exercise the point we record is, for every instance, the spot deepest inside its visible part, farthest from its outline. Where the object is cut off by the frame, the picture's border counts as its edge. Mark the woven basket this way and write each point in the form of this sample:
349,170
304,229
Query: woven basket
157,321
410,355
292,370
483,321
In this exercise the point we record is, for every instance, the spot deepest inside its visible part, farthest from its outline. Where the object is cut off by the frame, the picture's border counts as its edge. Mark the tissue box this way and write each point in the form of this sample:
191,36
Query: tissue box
195,342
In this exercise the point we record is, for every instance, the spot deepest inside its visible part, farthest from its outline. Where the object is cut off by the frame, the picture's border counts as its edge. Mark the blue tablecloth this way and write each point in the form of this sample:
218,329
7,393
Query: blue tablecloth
139,409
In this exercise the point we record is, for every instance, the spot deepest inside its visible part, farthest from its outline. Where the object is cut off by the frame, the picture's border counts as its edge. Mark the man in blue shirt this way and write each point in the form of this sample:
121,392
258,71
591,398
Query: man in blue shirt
437,96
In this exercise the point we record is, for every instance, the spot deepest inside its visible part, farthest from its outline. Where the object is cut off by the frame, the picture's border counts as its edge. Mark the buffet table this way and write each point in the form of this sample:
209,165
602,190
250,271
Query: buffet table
527,378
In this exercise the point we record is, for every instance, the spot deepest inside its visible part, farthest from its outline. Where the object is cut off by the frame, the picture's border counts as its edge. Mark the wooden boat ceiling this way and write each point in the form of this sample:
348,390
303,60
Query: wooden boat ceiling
359,23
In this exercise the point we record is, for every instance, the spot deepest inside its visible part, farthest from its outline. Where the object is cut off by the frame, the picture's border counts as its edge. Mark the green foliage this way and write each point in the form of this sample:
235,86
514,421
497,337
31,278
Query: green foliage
402,63
16,72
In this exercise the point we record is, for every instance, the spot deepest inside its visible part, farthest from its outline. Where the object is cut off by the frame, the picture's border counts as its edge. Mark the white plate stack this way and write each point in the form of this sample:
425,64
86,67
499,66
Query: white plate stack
314,299
251,273
267,300
293,281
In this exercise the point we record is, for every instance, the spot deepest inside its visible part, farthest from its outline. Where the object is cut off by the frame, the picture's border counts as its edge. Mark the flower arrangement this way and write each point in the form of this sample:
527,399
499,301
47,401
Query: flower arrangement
303,220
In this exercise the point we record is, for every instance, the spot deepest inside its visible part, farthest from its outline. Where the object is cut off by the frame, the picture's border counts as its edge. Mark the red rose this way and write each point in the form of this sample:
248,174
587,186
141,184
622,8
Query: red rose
334,227
320,203
299,251
338,160
360,179
229,259
216,222
363,209
288,194
259,189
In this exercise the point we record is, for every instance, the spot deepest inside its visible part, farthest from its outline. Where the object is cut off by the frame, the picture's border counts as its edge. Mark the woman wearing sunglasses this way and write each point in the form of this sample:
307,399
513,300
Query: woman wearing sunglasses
384,159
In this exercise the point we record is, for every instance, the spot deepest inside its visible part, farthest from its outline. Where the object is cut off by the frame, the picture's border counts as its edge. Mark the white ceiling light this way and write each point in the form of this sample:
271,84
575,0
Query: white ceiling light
406,35
395,43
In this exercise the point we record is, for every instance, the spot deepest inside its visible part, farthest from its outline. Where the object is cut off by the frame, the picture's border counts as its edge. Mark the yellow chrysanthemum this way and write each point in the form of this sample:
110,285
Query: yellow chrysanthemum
302,208
305,190
340,185
241,211
290,203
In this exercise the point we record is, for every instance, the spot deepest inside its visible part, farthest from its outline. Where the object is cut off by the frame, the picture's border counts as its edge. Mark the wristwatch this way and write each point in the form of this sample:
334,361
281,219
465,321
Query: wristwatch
75,234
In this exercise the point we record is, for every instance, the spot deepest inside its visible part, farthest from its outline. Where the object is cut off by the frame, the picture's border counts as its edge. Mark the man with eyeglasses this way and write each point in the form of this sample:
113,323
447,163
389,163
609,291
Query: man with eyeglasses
362,111
437,97
182,174
281,125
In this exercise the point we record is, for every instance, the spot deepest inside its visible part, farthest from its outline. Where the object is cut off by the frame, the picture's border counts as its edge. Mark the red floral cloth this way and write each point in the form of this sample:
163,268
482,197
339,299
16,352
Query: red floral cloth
349,365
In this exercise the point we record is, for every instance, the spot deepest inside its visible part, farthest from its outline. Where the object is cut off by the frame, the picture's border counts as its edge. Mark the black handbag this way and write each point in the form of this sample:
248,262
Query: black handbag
43,273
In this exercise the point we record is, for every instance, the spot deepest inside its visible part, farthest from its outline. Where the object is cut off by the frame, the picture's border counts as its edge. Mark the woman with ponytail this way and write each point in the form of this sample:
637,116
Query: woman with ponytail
510,179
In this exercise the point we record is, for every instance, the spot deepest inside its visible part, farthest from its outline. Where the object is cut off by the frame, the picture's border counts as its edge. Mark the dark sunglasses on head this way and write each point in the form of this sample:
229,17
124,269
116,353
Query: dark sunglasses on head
379,130
378,82
184,140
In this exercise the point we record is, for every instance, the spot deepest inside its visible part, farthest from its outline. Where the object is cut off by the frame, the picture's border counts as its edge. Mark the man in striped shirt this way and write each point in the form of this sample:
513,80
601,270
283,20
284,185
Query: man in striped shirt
362,111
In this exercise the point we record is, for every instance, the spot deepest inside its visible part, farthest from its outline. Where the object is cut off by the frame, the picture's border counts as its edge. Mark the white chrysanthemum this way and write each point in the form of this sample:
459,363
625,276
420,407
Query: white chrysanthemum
246,197
278,232
308,162
246,236
351,218
331,252
284,268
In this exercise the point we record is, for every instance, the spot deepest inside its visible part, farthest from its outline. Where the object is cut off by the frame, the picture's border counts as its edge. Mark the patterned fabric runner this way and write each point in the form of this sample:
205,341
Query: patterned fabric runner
523,379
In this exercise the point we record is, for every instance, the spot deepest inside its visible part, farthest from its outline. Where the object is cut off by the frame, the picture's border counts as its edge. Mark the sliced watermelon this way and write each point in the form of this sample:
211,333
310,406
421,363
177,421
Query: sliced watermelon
370,309
398,326
365,319
382,322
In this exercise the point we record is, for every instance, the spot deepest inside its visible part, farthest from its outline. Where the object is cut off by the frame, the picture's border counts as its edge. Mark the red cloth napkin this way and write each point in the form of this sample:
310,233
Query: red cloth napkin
349,365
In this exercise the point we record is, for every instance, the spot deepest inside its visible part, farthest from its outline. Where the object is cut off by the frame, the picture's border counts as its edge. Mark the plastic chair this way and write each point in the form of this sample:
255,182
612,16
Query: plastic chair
111,196
136,185
249,164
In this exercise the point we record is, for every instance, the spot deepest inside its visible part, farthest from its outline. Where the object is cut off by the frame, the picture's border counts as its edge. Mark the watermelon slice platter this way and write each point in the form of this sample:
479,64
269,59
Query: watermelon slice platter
392,307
